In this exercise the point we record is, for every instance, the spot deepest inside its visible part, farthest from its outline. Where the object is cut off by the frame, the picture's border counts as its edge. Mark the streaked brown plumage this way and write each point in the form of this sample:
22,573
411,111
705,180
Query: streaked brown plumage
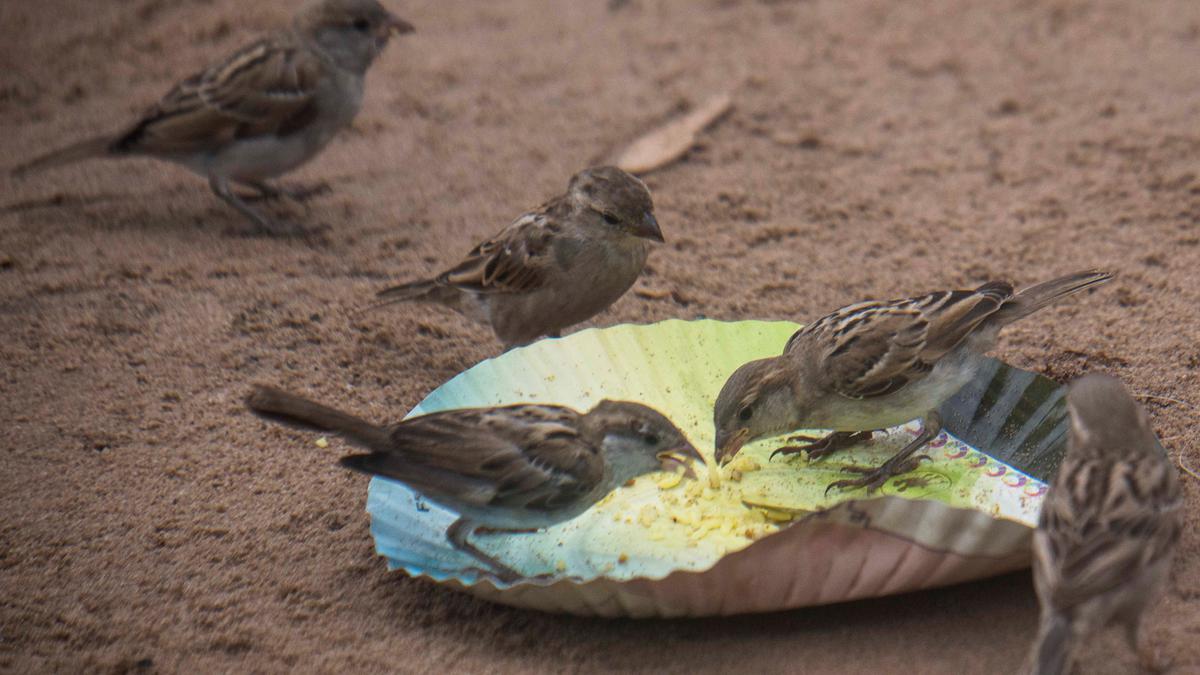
553,267
264,110
516,468
1108,528
875,365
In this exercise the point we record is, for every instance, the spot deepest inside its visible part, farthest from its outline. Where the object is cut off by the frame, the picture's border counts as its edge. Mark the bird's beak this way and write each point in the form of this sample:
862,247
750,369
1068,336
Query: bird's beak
728,445
682,456
396,26
648,228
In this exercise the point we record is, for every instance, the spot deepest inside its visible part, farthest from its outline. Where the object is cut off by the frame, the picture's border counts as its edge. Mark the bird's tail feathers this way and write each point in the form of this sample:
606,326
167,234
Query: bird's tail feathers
414,290
427,290
1047,293
99,146
1052,649
299,412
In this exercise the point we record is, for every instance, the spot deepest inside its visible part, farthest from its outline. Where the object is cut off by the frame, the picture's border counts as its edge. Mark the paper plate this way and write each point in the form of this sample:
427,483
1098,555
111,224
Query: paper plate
665,547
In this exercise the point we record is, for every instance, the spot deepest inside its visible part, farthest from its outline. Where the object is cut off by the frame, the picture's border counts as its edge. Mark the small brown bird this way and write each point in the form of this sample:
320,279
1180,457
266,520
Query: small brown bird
514,468
553,267
1108,527
263,111
875,365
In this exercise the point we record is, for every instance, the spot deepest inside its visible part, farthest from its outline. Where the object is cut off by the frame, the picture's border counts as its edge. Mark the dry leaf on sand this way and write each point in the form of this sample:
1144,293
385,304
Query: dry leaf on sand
670,141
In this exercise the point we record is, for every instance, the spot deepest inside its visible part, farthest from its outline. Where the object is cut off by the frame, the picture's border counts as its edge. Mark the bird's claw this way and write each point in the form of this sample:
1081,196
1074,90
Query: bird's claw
872,482
1152,660
805,437
298,193
499,573
874,478
788,450
822,446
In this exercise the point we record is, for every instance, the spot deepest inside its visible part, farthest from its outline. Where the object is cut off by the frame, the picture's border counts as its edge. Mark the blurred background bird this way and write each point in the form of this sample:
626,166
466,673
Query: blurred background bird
1108,528
261,112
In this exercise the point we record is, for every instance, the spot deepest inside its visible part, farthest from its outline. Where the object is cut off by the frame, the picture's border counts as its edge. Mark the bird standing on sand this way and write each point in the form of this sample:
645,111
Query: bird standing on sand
516,468
553,267
1108,528
263,111
874,365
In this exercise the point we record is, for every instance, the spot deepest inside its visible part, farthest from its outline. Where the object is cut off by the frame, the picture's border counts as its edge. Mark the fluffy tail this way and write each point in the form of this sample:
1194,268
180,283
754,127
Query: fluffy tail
1047,293
296,411
101,146
1052,650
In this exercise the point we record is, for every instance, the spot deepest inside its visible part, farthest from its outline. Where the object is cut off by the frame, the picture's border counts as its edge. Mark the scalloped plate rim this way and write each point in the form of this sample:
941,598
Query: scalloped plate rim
500,588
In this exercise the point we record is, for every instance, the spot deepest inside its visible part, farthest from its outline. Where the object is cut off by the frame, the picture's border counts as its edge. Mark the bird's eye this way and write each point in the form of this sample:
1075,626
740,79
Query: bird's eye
611,219
745,414
651,439
361,25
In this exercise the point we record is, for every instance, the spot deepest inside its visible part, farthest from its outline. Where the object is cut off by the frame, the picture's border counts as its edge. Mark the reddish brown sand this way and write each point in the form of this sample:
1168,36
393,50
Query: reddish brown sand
878,148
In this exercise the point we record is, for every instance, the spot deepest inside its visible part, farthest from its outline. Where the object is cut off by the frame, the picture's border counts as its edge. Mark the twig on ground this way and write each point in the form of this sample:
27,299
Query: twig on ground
1168,399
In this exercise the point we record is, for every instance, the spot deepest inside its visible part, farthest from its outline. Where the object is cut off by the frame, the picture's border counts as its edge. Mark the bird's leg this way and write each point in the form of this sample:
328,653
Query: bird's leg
458,532
551,576
220,187
900,463
265,191
1132,628
263,224
818,447
1150,660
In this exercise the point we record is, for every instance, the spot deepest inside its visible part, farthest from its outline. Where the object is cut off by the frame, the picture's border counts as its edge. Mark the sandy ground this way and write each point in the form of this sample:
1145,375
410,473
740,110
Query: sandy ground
878,148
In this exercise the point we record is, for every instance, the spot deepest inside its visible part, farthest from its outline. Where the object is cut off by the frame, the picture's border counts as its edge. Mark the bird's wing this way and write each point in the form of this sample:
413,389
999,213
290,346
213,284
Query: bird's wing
1102,524
266,88
876,348
954,315
528,456
515,260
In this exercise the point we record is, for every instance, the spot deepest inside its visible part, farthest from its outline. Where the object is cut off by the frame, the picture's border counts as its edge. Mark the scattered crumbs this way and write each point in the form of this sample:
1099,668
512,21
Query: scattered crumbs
647,515
744,464
777,516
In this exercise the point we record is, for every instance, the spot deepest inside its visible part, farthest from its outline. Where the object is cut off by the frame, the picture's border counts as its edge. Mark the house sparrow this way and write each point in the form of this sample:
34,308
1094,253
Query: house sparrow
553,267
514,468
1108,527
263,111
875,365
